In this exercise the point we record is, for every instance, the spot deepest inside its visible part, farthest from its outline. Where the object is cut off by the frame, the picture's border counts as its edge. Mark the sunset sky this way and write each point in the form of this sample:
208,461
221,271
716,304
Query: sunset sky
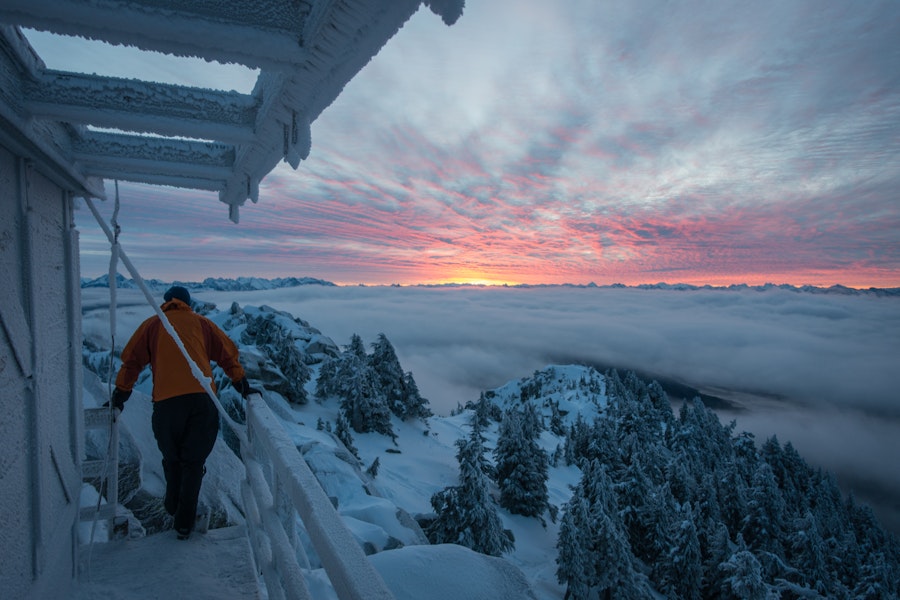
578,141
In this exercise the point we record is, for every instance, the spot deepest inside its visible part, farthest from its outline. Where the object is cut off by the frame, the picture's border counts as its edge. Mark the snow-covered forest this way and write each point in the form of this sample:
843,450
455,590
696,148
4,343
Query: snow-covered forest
590,482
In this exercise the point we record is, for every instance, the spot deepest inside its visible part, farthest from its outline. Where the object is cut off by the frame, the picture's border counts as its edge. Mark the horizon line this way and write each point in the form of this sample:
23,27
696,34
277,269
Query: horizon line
487,284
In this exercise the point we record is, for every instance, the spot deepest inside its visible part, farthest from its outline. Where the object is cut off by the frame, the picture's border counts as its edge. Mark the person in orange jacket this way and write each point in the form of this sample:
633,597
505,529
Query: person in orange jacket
185,419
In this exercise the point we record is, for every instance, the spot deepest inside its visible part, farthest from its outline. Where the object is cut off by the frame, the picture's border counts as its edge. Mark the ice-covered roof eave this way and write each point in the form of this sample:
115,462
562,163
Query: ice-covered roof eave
307,52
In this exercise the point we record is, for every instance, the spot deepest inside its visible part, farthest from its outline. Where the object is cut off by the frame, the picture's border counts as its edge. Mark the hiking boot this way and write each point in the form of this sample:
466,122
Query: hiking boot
183,534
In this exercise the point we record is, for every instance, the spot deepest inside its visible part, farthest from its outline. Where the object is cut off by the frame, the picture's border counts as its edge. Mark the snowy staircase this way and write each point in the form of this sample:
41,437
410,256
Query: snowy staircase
104,469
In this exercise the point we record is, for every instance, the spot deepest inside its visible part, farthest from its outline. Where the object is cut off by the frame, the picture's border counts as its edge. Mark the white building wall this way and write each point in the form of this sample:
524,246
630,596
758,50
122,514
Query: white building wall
40,386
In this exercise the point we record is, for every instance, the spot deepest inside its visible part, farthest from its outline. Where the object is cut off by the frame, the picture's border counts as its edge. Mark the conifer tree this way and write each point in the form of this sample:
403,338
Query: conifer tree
681,569
531,422
522,466
806,551
466,514
342,431
633,492
877,580
575,560
717,551
556,422
354,382
357,348
655,525
390,376
327,383
743,577
482,411
415,406
607,546
361,400
763,526
278,345
732,498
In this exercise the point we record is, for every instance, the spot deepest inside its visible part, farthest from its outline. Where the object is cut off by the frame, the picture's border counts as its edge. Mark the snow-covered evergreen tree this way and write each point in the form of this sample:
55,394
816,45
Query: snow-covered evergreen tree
357,348
522,466
806,551
681,567
607,547
355,383
415,406
575,560
386,365
466,513
743,577
763,525
398,388
342,431
278,345
361,399
327,384
716,551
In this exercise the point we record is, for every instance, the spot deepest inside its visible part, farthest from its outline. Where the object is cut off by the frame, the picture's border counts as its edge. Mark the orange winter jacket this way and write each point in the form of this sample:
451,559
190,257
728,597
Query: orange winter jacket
151,344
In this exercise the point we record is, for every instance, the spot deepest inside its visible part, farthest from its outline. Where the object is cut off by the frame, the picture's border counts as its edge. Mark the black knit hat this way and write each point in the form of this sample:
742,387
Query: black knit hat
176,291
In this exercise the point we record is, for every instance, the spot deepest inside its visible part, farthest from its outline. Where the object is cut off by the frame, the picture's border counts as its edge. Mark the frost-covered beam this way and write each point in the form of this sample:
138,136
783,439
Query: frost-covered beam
259,34
180,163
307,51
358,30
46,143
448,10
133,105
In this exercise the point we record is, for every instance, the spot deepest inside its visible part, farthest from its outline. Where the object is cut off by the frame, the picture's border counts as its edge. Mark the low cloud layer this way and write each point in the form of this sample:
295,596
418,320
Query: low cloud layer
820,371
818,350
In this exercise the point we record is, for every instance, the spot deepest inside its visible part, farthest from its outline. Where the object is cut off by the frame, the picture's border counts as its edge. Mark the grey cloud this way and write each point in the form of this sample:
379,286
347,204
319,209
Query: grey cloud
829,350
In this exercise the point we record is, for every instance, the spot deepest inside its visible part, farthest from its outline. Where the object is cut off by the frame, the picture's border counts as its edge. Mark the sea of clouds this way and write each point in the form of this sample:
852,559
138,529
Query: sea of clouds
819,370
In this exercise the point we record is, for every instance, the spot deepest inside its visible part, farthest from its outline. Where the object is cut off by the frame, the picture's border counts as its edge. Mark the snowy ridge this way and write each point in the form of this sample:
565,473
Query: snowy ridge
218,284
629,496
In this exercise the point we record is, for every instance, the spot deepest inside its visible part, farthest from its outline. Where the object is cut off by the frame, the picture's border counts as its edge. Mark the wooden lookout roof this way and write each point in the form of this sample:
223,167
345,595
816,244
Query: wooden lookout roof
306,52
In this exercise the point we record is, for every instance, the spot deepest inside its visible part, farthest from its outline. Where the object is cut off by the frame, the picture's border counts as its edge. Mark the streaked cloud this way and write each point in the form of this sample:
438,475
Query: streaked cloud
584,141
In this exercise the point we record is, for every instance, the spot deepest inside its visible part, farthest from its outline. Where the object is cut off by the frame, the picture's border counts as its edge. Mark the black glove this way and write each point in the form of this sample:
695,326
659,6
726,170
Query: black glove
118,399
243,387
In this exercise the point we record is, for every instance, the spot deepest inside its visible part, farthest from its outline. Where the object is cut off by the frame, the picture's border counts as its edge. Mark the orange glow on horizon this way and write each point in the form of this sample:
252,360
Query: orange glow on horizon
482,273
484,278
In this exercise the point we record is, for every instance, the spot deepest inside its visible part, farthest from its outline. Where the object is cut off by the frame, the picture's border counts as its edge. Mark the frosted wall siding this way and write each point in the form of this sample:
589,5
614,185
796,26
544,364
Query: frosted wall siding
39,384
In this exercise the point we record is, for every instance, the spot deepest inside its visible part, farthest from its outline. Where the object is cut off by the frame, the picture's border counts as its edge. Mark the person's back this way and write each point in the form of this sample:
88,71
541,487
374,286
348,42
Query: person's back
151,344
185,419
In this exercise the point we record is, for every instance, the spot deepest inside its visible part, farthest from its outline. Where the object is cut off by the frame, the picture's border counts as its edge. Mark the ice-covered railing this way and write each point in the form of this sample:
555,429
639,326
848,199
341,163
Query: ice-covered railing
272,462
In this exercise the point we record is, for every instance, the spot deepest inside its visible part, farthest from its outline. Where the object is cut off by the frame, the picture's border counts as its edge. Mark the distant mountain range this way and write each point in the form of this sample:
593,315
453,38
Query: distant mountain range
242,284
218,284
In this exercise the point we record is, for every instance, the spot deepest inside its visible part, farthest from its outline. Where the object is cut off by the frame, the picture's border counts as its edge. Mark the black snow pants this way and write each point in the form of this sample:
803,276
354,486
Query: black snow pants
185,428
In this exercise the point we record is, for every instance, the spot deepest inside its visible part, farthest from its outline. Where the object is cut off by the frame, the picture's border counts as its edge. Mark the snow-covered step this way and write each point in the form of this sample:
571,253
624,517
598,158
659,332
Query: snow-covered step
212,565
